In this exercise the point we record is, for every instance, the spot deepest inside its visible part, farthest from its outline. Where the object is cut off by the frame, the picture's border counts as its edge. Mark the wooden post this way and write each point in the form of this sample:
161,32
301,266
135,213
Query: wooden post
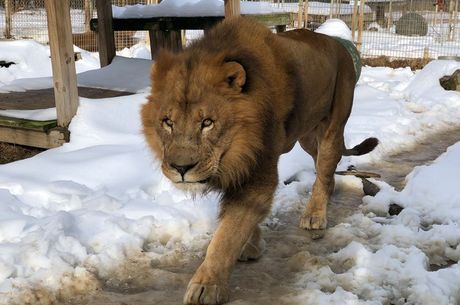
305,14
360,25
299,15
232,8
8,15
435,21
62,59
455,18
88,14
170,40
453,7
331,4
353,19
390,15
105,38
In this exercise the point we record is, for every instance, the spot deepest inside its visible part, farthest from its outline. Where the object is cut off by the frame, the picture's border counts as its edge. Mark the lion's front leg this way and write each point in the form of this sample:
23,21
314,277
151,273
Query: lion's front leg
240,217
254,247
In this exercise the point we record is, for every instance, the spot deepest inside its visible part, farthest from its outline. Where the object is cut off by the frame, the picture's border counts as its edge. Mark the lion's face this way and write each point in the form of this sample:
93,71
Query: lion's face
199,124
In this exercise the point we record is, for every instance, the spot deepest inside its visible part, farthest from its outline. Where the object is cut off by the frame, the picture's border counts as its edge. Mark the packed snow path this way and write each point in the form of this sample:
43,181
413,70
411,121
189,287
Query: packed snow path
291,252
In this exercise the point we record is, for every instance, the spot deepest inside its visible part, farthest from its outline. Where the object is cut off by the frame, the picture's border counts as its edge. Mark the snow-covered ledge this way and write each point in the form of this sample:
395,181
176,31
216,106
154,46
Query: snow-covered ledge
190,8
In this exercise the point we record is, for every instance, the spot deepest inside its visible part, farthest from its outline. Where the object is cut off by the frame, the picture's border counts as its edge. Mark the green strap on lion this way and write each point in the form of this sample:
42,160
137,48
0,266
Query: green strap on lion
354,53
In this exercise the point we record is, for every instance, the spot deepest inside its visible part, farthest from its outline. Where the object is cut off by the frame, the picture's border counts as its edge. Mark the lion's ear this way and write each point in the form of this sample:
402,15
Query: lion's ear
235,75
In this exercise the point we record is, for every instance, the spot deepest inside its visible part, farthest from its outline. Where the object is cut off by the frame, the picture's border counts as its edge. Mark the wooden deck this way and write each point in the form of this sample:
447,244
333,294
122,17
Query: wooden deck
43,134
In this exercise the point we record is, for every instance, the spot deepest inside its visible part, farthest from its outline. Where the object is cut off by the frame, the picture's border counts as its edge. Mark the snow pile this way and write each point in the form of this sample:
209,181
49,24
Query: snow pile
411,258
388,106
189,8
323,8
32,60
335,27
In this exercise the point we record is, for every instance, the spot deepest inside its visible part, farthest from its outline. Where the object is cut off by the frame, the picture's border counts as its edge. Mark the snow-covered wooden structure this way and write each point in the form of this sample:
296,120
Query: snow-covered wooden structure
54,133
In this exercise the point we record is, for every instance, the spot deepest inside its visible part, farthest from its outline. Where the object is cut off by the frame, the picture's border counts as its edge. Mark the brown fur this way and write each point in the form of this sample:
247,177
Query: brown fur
263,93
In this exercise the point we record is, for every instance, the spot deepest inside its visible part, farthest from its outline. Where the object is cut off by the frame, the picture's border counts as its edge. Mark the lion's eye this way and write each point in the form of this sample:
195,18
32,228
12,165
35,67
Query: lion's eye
167,123
207,123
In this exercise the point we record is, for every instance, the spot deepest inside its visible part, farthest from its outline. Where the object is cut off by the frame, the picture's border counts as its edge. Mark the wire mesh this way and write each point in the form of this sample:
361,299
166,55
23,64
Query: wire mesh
28,21
393,28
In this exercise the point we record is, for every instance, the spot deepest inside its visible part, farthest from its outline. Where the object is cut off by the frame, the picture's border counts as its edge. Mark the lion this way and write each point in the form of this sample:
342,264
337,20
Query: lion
222,111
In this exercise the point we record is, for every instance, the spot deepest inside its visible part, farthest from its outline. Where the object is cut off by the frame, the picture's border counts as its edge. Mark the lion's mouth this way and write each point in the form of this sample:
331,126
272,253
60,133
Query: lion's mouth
204,181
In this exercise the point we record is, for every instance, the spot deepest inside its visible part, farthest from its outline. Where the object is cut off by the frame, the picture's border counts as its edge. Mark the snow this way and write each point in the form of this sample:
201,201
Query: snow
123,74
80,210
335,27
169,8
394,261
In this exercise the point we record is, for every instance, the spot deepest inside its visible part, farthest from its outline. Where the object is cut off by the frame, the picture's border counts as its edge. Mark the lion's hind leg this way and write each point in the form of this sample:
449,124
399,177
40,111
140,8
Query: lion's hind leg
329,148
329,154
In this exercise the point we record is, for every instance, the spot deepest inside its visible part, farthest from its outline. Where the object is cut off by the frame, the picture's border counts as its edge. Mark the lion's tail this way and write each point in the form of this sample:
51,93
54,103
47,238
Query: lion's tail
364,147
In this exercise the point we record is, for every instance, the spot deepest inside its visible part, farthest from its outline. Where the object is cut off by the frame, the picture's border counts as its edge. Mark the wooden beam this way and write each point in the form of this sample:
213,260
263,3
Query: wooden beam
27,124
88,14
53,138
232,8
171,40
105,38
185,23
62,59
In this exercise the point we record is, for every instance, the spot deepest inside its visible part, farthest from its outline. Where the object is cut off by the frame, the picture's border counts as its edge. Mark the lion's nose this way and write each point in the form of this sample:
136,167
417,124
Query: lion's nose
182,169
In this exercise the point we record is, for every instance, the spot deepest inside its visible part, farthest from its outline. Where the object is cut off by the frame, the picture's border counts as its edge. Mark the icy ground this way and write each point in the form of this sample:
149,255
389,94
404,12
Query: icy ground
72,217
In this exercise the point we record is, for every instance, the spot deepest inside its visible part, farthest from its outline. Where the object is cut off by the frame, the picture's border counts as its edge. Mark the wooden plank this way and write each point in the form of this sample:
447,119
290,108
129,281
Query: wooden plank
185,23
62,59
232,8
53,138
8,19
272,19
27,124
105,37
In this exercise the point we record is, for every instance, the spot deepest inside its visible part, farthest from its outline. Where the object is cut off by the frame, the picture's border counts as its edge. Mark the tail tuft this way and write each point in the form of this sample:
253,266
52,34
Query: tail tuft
364,147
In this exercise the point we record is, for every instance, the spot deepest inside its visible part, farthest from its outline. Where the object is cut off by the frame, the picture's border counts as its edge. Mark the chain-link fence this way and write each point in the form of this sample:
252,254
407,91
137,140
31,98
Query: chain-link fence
394,28
26,19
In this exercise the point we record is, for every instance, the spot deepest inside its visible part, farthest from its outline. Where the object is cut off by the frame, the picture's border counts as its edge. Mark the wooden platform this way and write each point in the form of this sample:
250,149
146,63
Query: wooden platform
43,134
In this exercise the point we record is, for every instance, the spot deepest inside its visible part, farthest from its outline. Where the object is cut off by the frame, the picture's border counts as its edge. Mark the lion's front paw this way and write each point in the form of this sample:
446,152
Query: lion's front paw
252,251
313,221
209,294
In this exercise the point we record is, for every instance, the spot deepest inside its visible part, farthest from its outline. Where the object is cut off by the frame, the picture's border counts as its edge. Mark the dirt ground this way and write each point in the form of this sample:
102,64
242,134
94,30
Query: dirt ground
12,152
384,61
